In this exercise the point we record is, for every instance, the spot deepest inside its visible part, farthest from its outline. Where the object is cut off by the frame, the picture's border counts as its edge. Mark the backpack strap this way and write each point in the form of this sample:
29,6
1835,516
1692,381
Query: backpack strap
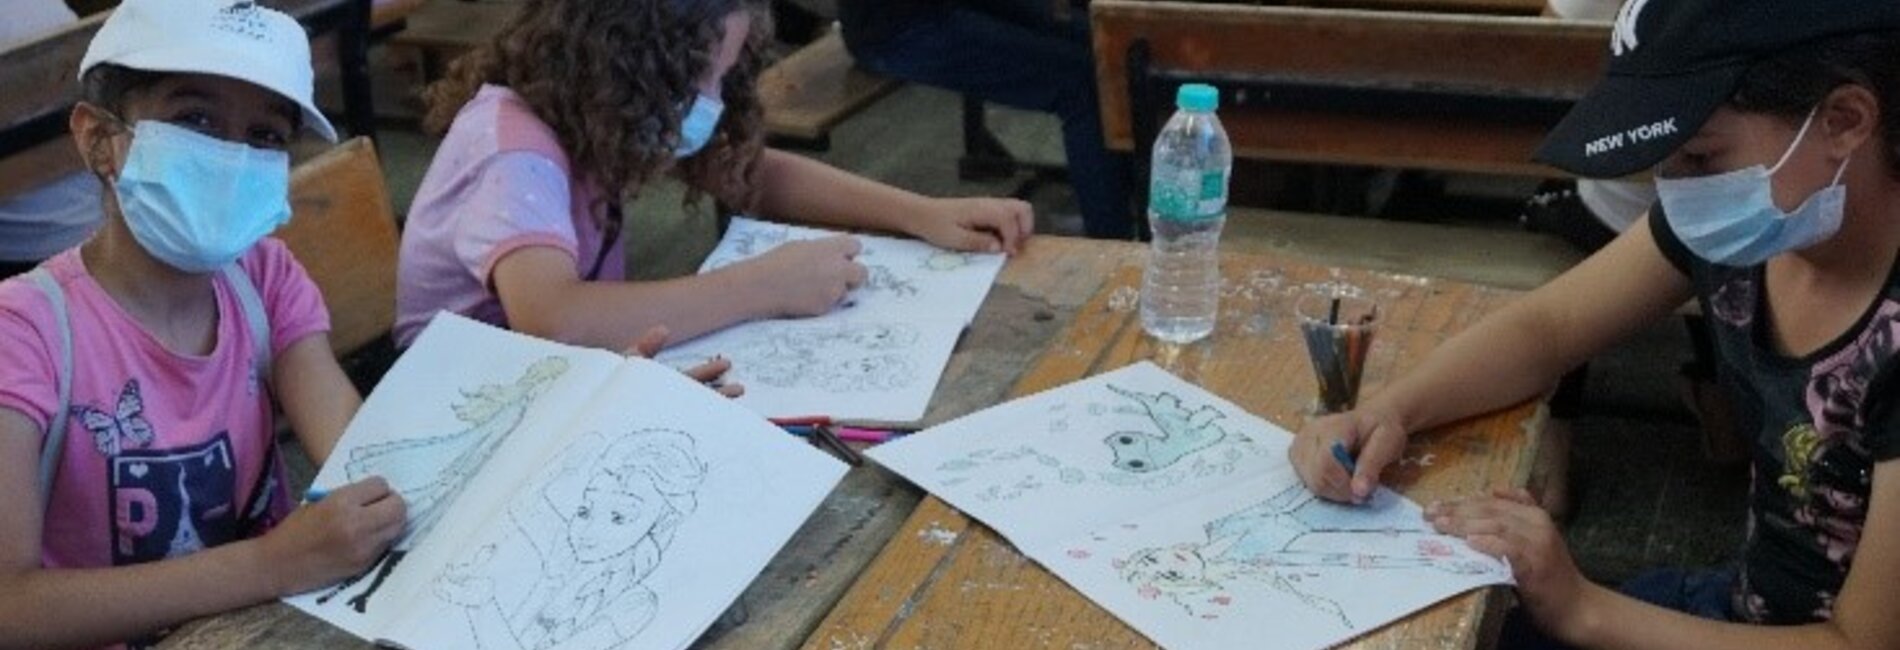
255,319
55,441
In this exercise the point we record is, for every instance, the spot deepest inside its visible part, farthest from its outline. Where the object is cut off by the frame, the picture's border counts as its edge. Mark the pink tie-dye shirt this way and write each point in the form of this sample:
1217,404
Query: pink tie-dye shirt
500,182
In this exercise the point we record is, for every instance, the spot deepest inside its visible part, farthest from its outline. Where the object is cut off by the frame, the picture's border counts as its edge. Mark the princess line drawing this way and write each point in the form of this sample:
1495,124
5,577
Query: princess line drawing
572,568
415,469
1280,544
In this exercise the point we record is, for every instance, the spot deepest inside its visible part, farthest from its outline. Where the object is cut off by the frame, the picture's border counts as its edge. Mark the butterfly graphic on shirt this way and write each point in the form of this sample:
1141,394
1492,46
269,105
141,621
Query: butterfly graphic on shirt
119,429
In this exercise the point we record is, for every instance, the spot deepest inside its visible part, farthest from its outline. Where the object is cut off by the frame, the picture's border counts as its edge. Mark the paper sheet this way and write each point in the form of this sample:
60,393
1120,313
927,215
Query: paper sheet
1178,512
877,357
562,498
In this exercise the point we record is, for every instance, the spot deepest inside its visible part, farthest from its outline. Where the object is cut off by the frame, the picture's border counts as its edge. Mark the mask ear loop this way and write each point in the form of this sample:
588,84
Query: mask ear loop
1798,136
1839,173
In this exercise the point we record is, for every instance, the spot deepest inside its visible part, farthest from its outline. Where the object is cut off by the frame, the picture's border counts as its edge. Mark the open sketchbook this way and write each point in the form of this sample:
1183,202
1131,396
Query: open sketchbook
561,497
876,357
1178,512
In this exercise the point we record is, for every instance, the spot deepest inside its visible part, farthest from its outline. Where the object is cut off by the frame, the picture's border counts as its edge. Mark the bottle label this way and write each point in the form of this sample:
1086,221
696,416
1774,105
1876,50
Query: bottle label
1213,194
1190,195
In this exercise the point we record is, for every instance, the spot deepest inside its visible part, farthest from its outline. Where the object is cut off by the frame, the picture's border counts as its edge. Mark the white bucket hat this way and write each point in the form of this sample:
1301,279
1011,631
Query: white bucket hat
239,40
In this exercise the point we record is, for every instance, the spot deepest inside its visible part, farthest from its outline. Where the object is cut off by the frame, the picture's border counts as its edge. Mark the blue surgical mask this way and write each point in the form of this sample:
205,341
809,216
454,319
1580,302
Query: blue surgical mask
1731,219
196,202
702,118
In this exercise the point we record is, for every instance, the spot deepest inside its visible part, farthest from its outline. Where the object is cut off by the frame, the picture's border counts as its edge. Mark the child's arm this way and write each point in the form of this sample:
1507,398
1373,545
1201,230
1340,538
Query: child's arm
55,608
1571,608
1508,357
797,188
544,296
317,397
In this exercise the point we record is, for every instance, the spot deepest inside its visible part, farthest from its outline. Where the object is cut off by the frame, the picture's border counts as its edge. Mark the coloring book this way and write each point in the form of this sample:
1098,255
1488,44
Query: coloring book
1179,512
876,357
561,497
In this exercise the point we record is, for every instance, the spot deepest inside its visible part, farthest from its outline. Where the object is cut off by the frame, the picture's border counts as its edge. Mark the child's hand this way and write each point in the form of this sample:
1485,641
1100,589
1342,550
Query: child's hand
809,278
1374,439
1509,525
978,224
711,373
321,543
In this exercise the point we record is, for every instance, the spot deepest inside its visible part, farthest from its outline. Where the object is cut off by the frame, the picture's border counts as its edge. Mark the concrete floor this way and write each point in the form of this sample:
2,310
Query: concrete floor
1643,494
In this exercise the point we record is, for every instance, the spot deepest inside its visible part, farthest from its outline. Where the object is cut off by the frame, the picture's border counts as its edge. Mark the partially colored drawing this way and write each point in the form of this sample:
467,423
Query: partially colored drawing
1280,544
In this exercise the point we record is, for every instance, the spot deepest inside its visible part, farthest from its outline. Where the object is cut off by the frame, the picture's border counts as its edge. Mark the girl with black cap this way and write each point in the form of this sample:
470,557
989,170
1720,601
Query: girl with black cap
1773,131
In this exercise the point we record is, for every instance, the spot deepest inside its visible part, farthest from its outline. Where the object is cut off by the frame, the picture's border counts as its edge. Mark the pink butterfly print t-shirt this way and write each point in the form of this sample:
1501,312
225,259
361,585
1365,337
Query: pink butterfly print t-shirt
165,453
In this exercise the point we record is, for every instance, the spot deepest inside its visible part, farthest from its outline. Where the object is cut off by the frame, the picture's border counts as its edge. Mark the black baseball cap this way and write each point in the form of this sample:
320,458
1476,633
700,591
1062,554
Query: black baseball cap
1674,62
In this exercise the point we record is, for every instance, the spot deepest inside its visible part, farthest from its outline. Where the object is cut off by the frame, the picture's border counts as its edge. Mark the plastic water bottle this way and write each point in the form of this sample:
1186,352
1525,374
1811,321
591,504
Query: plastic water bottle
1187,206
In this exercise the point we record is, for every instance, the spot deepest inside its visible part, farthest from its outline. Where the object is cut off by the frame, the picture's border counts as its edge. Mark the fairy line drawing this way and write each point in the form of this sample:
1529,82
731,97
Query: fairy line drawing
415,469
1280,543
572,569
1187,442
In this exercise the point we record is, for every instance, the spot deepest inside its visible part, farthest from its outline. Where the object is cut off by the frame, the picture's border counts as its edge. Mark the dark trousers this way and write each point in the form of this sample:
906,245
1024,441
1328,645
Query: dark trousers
1703,594
1015,53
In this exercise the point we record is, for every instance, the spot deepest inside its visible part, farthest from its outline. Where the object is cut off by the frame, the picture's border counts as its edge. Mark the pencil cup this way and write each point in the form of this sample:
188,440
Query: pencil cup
1337,324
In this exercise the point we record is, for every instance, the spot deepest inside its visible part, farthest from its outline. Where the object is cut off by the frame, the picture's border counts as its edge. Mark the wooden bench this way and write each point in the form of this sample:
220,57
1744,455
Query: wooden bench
392,14
40,90
1447,92
344,232
441,30
814,89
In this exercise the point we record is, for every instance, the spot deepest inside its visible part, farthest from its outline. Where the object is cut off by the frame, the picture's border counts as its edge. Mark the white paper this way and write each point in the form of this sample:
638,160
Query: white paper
1179,513
608,503
879,356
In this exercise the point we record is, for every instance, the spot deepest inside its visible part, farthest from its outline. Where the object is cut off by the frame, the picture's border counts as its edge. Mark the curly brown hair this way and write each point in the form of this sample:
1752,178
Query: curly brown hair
613,78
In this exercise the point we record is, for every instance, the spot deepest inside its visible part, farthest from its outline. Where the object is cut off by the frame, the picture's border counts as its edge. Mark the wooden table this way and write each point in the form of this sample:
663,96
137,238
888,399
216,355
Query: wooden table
1061,311
946,582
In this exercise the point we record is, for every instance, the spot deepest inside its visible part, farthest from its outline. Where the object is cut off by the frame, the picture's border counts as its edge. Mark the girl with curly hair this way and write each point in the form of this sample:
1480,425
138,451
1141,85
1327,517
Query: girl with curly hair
577,104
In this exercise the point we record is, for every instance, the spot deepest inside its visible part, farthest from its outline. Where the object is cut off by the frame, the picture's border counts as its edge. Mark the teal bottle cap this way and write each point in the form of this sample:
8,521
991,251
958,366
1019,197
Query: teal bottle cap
1197,97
